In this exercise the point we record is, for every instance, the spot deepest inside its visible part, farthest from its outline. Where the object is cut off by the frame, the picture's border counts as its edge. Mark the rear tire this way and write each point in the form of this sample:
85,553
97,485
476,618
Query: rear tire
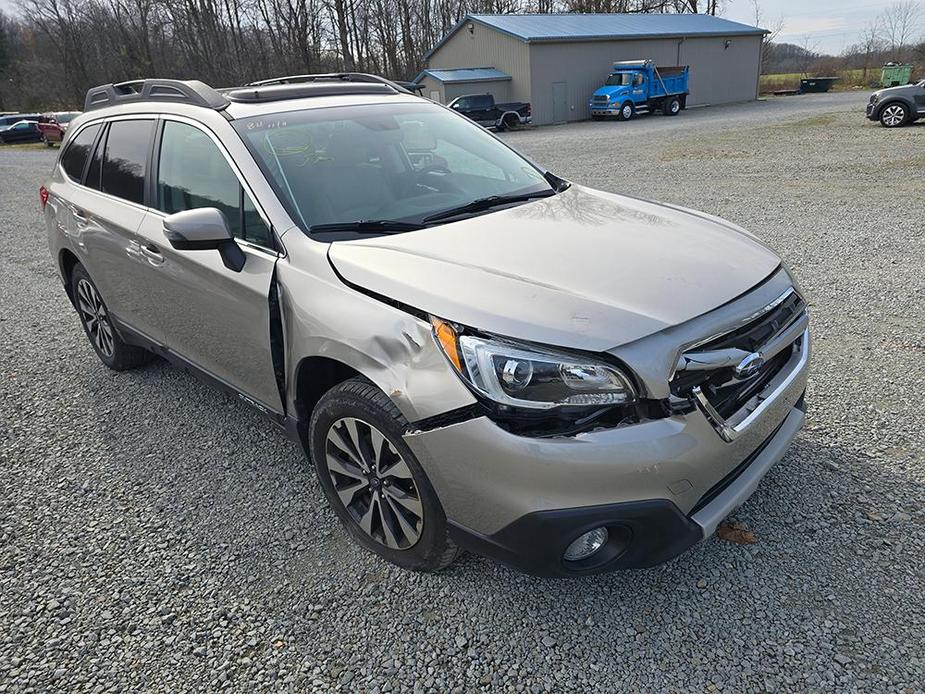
627,111
894,115
373,481
97,325
672,107
510,122
46,142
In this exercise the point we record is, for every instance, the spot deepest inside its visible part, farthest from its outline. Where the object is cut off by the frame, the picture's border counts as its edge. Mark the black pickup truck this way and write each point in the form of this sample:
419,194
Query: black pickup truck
483,110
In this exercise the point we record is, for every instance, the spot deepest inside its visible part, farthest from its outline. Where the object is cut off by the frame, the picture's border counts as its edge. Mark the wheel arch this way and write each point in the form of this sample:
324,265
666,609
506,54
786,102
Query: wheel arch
894,100
506,114
66,263
315,376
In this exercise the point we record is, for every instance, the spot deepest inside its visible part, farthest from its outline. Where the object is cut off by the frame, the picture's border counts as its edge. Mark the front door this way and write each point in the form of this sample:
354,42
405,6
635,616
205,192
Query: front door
559,102
920,98
215,318
639,88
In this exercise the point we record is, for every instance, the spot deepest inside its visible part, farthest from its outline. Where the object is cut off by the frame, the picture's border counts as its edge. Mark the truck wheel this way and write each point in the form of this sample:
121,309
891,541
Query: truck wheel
46,142
672,107
894,115
627,111
510,122
373,481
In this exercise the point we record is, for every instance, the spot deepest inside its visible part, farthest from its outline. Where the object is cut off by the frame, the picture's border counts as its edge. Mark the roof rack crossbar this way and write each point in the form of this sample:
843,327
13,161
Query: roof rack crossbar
191,92
329,76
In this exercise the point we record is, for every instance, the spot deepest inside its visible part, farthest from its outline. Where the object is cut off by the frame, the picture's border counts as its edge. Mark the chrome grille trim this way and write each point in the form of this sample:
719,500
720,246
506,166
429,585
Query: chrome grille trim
730,429
734,375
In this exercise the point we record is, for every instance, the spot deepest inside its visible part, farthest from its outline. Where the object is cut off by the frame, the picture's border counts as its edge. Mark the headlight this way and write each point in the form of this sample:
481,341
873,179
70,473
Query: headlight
523,376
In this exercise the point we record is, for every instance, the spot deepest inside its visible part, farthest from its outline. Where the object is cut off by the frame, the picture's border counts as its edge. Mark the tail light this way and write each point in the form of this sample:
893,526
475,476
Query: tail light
43,196
529,110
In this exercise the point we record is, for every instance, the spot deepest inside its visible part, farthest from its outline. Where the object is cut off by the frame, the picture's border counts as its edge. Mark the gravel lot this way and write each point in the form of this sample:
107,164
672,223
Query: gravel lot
156,536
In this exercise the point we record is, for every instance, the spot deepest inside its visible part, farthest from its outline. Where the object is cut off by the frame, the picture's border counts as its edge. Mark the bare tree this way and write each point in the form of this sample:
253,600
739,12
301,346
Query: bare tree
870,42
773,28
809,53
899,23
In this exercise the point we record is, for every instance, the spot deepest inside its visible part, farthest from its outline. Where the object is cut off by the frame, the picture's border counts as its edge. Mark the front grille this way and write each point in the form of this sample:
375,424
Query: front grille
760,329
599,99
725,392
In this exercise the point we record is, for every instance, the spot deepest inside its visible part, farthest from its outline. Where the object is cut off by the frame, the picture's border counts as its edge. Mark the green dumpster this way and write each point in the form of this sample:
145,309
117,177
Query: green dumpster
895,74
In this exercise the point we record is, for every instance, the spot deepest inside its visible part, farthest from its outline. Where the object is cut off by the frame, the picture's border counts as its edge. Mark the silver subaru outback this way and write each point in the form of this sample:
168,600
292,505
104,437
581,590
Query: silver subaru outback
474,353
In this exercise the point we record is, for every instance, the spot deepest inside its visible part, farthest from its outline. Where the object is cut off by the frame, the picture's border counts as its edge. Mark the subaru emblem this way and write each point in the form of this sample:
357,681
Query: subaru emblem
749,366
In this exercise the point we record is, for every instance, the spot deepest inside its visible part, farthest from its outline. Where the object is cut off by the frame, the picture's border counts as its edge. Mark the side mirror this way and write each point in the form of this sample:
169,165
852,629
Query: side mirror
204,229
455,107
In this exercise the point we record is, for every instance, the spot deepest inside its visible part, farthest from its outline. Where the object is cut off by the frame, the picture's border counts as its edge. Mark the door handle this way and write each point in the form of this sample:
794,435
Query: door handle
79,216
153,255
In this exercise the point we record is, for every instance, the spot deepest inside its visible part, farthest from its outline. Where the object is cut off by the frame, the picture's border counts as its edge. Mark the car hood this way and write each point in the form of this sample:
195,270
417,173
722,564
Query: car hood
582,269
889,91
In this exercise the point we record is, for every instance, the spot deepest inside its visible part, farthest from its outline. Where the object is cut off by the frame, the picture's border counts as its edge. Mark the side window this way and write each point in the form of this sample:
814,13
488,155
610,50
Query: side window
483,101
638,80
96,162
192,173
125,159
74,159
464,103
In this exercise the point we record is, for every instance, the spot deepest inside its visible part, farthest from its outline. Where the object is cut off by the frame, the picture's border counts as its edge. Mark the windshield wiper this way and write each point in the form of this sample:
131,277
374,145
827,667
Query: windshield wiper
366,226
487,203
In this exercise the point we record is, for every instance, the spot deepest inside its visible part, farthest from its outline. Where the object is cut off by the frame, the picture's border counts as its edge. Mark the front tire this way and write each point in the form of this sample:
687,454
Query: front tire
373,481
894,115
97,324
627,111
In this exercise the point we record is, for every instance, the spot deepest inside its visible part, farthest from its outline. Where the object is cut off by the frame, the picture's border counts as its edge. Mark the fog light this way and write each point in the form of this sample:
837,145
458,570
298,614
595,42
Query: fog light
586,545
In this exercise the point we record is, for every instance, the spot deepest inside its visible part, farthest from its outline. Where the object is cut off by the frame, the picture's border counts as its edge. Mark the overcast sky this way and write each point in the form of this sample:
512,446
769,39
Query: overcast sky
831,24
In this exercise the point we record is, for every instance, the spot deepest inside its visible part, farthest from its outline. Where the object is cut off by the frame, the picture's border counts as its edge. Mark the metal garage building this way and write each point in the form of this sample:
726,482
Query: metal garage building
556,61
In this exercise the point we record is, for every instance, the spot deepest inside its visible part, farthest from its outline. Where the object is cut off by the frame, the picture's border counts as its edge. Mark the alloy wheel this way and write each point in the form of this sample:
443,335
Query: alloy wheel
675,106
95,317
374,483
893,115
627,112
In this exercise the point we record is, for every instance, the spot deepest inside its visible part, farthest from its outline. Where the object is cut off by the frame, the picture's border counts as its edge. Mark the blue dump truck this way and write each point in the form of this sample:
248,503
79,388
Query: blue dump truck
638,86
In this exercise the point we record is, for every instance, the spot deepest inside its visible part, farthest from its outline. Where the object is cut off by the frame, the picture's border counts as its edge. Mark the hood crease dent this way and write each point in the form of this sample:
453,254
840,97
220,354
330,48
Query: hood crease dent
582,269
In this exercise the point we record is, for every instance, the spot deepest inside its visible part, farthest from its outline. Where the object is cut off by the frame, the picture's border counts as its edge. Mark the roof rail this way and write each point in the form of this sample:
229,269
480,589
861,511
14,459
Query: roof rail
191,92
280,92
330,77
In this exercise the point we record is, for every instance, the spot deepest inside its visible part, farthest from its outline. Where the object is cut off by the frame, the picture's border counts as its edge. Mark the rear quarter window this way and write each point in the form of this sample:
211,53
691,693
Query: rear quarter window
74,159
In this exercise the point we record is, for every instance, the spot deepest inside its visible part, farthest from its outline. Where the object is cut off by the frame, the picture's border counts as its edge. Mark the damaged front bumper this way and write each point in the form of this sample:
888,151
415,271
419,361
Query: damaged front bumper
659,486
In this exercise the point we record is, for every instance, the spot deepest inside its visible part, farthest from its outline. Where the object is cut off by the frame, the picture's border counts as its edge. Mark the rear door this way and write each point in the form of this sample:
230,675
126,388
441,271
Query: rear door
483,109
215,318
107,211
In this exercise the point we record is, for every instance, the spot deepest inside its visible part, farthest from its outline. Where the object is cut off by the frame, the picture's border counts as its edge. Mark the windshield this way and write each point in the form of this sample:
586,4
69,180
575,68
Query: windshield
620,79
403,162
